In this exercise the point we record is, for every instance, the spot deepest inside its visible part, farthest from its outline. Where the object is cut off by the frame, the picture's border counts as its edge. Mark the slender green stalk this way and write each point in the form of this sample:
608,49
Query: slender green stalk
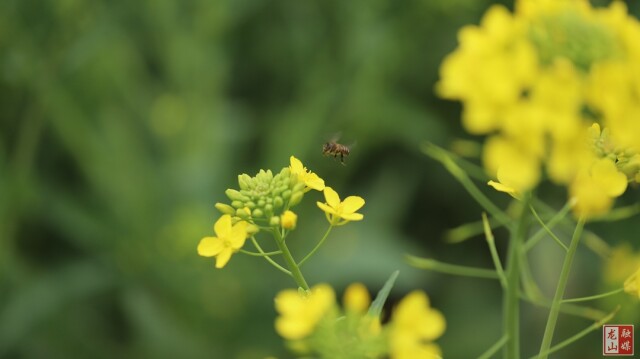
326,234
547,229
468,230
618,214
494,348
263,254
557,298
567,308
593,297
511,299
458,173
291,263
595,326
559,216
434,265
271,261
494,252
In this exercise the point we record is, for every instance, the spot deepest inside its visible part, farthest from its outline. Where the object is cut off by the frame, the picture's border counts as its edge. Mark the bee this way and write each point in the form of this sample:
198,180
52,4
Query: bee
332,148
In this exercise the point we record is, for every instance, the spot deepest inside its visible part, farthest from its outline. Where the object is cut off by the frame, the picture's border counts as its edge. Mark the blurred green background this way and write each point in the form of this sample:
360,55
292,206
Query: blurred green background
122,123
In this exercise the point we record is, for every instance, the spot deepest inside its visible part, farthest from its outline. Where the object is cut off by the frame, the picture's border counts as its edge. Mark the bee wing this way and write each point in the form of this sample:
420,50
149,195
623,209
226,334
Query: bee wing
335,137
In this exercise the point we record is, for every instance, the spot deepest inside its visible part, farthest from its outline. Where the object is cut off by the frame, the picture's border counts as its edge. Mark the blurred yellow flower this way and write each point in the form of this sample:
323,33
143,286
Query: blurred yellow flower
310,179
356,298
341,212
622,262
536,80
288,220
229,239
594,191
301,312
414,326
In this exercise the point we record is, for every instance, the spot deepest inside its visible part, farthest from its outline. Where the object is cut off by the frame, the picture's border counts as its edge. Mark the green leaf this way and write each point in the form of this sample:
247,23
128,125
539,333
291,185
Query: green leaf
376,306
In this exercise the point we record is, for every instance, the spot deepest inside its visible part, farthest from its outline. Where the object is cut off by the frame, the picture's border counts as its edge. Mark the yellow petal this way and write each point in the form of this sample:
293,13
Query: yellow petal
504,188
292,328
210,246
432,324
238,234
325,208
613,182
296,166
223,257
352,204
352,216
313,181
223,226
331,197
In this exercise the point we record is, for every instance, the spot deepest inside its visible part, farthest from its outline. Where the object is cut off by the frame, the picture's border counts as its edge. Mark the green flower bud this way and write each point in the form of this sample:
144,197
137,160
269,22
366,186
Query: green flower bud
257,213
250,204
274,221
261,203
286,194
243,213
225,208
296,198
268,209
298,187
244,181
278,202
252,229
237,204
235,195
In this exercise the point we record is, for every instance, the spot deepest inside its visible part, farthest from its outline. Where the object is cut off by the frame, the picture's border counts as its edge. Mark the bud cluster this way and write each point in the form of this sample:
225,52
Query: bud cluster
264,197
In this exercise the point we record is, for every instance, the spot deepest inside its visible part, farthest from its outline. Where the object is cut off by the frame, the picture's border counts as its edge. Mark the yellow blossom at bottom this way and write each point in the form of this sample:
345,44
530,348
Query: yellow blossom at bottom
414,326
356,298
301,312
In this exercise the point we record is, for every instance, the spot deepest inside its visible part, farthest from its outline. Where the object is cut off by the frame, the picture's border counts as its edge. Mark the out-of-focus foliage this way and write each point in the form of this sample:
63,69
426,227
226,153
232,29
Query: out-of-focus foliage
121,124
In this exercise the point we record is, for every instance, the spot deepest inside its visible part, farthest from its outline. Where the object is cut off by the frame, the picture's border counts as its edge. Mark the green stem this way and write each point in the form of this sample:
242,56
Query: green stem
434,265
512,296
262,254
494,252
593,297
595,326
291,263
326,234
567,308
547,229
468,230
458,173
271,261
494,348
557,298
559,216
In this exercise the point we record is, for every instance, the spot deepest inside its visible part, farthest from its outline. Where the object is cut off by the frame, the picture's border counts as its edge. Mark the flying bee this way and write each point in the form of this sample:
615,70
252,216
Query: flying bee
333,148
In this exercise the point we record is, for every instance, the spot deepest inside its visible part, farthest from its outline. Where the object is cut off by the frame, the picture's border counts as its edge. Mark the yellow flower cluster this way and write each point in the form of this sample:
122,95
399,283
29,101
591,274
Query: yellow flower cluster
264,202
538,82
410,334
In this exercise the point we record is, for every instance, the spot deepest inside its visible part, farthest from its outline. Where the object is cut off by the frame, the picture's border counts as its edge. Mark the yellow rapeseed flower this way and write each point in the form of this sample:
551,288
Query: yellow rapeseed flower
310,179
536,80
288,220
301,312
340,212
414,326
229,239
